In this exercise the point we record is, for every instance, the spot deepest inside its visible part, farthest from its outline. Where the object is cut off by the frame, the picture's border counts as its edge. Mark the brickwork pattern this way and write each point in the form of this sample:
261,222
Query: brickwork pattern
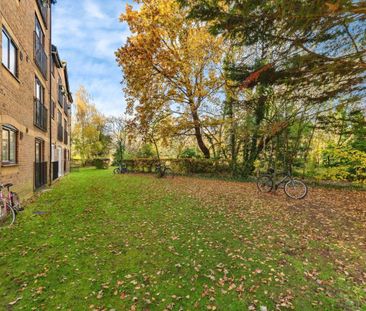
17,94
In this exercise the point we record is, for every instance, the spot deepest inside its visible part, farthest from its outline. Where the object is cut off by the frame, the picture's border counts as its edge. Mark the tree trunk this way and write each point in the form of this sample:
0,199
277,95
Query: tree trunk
252,154
198,132
229,110
156,148
252,148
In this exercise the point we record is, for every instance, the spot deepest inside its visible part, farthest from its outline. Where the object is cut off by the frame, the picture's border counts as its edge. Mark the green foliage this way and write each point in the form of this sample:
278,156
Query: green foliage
290,60
103,145
119,154
188,153
358,130
117,130
202,166
101,163
344,163
146,151
182,166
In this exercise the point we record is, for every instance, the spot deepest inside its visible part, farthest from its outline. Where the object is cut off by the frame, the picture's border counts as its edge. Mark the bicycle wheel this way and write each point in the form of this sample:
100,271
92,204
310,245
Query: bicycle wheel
7,215
265,183
169,173
296,189
16,202
116,171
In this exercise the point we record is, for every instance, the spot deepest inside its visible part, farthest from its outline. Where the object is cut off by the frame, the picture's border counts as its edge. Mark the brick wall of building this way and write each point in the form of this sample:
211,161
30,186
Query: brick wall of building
17,94
61,106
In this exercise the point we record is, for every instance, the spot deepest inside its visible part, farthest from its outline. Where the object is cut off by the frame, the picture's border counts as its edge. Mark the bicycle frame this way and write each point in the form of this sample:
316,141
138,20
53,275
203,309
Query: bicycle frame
5,199
2,195
287,177
282,181
267,182
9,199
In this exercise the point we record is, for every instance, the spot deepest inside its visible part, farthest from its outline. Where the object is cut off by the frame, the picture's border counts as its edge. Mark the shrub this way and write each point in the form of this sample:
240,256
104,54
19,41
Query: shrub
101,164
181,166
146,151
344,163
188,153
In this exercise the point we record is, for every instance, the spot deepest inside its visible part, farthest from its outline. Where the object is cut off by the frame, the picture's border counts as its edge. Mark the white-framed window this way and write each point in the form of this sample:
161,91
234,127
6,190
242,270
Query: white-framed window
9,145
9,53
39,32
39,90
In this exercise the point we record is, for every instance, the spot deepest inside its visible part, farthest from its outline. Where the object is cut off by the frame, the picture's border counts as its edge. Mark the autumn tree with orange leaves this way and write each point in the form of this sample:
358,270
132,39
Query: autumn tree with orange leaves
171,67
245,81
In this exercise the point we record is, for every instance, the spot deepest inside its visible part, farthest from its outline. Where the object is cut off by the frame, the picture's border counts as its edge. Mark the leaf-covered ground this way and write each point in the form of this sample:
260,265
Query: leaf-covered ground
138,243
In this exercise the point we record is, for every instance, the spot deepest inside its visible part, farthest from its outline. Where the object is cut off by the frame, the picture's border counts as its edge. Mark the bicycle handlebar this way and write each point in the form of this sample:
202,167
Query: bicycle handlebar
7,186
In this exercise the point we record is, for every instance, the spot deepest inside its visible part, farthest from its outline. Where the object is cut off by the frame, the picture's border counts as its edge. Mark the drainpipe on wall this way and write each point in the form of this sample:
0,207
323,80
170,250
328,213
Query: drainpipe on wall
50,102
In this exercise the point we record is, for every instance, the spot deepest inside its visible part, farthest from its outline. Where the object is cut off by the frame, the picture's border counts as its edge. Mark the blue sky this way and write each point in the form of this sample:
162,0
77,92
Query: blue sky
87,33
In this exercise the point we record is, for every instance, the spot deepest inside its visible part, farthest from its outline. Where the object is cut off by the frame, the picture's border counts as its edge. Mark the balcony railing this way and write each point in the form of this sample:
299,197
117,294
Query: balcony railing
40,56
54,170
66,137
40,174
43,7
40,115
60,133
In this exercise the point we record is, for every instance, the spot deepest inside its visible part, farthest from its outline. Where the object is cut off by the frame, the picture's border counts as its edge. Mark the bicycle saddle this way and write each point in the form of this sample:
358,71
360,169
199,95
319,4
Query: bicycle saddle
270,171
8,185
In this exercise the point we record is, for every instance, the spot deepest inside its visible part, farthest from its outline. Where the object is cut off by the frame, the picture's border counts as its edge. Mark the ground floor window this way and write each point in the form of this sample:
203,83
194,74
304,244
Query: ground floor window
9,145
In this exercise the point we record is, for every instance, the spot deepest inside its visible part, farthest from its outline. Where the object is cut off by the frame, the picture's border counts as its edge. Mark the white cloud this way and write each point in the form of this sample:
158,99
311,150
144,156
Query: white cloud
93,10
87,33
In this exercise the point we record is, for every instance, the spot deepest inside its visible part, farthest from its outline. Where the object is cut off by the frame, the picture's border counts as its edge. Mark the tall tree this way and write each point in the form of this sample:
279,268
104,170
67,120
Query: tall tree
297,55
89,136
118,131
171,64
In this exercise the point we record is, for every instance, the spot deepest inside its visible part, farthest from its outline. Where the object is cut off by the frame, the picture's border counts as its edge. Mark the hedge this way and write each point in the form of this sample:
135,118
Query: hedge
181,166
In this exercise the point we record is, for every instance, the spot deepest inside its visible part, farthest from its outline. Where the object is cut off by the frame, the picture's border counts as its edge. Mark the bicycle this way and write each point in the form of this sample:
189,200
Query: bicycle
163,171
121,169
293,188
9,207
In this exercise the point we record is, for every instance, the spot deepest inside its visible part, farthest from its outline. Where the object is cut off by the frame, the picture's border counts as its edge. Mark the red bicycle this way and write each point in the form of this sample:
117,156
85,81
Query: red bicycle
9,206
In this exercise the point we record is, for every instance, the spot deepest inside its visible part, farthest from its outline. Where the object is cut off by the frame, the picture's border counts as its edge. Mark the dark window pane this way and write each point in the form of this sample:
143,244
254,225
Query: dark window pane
39,31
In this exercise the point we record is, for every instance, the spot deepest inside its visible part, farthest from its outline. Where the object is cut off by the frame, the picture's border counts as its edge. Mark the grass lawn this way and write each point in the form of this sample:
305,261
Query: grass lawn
138,243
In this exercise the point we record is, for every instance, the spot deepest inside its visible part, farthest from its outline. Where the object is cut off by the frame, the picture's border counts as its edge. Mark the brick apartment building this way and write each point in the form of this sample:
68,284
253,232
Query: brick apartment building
35,98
